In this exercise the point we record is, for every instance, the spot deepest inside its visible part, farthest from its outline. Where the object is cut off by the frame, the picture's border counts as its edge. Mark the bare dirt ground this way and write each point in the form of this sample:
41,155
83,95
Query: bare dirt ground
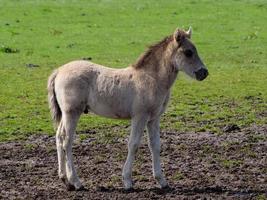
232,165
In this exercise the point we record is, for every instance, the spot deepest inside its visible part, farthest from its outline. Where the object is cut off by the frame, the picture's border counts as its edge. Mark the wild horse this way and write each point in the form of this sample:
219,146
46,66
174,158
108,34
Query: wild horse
139,92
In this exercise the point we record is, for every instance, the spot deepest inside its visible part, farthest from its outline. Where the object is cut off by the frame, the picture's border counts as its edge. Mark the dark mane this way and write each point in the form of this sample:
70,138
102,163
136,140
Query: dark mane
151,51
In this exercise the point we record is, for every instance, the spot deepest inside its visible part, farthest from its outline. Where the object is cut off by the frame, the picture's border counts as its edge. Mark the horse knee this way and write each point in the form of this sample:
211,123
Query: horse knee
66,143
155,148
133,147
60,135
59,138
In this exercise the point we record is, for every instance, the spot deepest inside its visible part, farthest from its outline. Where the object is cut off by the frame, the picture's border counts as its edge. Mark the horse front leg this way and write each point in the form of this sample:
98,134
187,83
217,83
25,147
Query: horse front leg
154,146
137,129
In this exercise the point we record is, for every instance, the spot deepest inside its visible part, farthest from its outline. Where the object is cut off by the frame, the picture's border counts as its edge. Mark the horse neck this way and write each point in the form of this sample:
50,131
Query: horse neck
162,69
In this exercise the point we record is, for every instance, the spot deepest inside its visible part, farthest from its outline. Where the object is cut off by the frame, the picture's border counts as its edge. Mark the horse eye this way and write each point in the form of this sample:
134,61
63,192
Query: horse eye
188,53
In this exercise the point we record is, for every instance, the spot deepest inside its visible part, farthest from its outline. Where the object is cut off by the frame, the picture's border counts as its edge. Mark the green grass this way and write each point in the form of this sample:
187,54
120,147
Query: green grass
230,35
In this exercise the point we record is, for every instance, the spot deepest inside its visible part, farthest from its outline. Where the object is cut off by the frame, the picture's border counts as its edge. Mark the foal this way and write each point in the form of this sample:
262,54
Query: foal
139,92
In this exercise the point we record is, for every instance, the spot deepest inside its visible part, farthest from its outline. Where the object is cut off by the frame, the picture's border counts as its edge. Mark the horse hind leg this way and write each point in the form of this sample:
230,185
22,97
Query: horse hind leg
70,120
60,152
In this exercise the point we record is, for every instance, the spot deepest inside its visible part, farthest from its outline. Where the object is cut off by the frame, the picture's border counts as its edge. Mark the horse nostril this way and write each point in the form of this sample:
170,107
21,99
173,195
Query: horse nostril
201,74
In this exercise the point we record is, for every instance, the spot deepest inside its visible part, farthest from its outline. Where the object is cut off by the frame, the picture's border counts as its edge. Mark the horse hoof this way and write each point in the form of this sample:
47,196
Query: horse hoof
129,190
166,187
70,187
128,184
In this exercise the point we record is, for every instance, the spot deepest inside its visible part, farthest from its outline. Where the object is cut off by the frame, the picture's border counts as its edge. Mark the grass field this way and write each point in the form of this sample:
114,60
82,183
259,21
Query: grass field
38,36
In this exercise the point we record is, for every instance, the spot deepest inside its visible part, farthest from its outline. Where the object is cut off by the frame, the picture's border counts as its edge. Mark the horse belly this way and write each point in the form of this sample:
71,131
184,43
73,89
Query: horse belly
115,111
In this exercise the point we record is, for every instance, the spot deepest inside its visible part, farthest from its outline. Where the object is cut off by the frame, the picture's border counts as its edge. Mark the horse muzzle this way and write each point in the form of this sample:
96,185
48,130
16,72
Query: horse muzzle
201,74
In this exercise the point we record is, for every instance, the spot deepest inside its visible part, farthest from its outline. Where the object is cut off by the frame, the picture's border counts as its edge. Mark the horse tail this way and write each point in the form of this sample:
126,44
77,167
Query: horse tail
52,99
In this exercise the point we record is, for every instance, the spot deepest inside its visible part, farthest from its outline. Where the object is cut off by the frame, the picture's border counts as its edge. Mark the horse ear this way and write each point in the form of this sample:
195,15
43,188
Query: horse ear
178,35
189,32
